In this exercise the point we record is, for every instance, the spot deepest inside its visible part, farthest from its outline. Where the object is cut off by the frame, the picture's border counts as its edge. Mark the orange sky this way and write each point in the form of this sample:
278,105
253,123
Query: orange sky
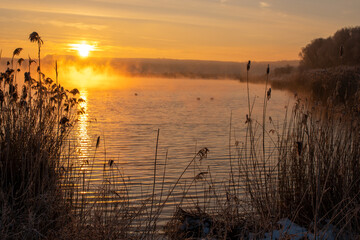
226,30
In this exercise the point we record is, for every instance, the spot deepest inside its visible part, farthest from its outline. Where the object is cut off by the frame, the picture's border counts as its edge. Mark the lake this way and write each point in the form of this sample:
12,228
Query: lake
189,113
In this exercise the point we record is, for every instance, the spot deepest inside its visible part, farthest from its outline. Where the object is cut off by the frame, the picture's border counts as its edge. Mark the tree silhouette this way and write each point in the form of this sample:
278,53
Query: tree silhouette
343,48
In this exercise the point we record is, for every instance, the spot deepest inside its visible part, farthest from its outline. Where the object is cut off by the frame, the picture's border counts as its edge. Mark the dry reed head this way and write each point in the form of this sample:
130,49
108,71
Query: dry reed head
34,37
248,65
202,153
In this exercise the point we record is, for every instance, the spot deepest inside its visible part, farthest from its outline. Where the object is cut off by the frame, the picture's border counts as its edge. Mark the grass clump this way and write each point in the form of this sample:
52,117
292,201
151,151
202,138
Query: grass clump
35,119
318,170
314,182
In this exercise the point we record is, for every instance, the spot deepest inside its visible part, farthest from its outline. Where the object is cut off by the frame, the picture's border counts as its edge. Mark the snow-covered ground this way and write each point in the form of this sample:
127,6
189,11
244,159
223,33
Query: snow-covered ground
290,230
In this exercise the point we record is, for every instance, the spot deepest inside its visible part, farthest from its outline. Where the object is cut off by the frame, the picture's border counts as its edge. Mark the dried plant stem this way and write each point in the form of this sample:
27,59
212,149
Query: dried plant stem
154,182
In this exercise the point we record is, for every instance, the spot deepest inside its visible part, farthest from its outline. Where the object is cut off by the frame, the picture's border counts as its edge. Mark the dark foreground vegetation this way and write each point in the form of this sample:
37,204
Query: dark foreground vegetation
309,178
35,119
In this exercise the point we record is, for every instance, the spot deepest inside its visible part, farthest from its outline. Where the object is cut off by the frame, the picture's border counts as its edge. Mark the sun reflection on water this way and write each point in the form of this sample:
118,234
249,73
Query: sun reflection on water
83,139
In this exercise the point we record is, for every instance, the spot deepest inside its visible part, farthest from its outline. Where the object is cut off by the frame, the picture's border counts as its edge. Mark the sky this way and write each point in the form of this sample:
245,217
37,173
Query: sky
223,30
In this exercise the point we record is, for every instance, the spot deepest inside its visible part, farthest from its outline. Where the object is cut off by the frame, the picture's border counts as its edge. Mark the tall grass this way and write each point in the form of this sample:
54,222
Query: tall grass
324,166
30,146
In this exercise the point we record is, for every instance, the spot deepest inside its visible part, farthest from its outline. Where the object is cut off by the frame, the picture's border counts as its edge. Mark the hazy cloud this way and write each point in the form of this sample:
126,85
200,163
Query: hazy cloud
56,23
78,25
264,4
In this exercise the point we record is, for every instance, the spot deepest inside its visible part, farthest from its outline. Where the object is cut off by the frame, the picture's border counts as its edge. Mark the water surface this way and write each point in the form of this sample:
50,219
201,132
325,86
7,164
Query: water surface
190,114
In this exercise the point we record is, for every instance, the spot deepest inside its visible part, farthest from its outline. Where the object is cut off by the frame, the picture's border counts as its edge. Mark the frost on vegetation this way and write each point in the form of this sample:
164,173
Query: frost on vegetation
290,230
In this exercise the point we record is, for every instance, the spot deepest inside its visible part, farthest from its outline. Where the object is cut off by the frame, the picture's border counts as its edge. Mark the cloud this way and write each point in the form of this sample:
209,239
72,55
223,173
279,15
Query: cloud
78,25
56,23
264,4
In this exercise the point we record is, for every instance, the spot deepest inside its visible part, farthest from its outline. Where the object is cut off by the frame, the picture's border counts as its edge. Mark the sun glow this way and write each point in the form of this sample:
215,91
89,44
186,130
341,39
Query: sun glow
88,75
83,49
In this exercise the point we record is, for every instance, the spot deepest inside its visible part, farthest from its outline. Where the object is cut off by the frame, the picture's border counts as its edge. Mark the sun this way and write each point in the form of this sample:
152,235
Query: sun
83,49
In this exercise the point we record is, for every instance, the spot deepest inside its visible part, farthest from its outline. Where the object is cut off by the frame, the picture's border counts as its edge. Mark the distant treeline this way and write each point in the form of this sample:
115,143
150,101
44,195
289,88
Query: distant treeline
343,48
329,70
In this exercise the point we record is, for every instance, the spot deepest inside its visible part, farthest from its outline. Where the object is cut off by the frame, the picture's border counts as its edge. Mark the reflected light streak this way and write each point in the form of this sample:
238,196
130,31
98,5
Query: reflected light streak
83,139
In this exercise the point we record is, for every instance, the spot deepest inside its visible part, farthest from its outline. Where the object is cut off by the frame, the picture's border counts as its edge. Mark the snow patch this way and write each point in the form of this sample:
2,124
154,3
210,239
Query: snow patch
290,230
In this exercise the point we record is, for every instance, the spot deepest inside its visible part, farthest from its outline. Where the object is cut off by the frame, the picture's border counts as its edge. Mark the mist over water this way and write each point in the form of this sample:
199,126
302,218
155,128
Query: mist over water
114,73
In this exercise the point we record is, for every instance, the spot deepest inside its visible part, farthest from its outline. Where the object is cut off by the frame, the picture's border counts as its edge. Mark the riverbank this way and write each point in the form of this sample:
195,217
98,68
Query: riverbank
338,85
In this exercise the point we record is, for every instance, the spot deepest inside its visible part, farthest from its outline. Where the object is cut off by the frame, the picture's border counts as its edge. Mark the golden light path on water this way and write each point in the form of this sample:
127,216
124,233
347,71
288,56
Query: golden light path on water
83,138
190,113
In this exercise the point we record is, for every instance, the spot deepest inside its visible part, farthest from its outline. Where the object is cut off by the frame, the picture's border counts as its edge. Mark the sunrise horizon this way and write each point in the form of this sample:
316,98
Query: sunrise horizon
71,51
224,30
93,51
